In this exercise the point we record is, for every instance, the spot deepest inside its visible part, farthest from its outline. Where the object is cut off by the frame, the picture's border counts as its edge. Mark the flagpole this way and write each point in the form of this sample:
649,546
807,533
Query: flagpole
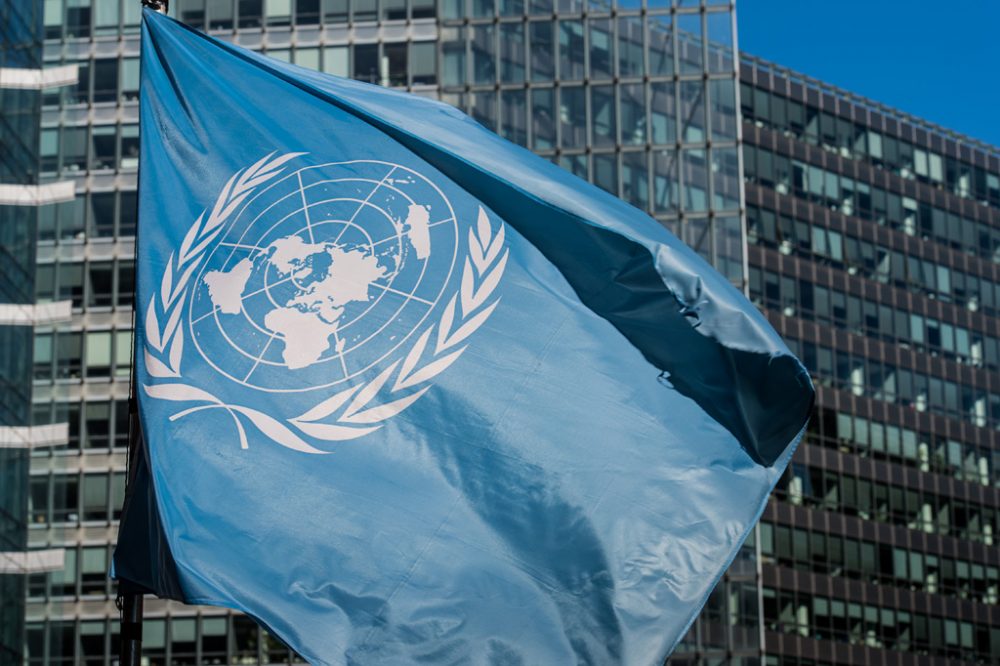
130,600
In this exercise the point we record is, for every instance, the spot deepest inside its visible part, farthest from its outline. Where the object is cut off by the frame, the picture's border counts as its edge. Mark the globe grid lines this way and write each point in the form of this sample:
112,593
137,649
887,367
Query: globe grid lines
266,331
305,208
295,212
258,358
394,191
362,203
257,248
367,199
339,350
328,181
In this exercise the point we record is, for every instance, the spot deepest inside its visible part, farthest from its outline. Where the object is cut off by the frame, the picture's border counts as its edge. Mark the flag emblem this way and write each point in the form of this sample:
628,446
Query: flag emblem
330,281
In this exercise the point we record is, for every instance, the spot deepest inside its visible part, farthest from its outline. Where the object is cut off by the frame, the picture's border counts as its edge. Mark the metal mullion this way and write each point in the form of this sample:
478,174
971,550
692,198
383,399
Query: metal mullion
529,102
709,150
619,154
557,115
703,15
616,77
678,130
557,50
588,147
647,109
744,229
467,64
497,75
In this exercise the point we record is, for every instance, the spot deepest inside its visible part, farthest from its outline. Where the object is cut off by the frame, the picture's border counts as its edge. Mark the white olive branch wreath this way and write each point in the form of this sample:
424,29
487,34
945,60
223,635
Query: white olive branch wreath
353,412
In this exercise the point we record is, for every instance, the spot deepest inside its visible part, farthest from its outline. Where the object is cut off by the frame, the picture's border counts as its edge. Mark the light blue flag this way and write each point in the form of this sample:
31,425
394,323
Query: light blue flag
411,394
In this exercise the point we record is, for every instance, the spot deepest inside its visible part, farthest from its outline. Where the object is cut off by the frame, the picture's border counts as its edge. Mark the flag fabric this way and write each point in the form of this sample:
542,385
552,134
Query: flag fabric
409,393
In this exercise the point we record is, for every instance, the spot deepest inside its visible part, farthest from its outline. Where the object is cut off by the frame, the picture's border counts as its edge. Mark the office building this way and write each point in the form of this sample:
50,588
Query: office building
641,99
874,249
21,196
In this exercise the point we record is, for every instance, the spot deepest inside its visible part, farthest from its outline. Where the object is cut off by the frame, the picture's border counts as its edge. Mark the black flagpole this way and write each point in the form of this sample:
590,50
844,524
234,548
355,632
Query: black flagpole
129,598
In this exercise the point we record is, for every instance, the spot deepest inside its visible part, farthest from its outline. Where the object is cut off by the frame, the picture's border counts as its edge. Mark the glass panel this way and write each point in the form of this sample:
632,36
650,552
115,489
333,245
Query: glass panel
220,14
483,54
720,41
689,43
695,178
100,279
514,116
633,114
665,186
661,51
512,54
542,57
601,48
630,55
130,146
94,570
104,140
366,63
105,80
98,353
602,114
97,420
423,63
543,118
635,179
662,112
571,50
335,61
725,179
692,111
723,95
573,116
394,64
130,79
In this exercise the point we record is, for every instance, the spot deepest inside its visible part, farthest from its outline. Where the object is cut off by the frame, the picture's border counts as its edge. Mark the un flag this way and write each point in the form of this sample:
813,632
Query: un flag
410,394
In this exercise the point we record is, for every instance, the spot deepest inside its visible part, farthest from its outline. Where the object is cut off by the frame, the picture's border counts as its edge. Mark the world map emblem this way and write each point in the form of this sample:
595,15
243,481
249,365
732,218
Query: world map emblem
330,282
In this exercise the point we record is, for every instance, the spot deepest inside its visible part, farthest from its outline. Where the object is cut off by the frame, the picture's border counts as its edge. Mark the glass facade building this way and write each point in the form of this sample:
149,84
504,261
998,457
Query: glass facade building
20,49
874,248
640,98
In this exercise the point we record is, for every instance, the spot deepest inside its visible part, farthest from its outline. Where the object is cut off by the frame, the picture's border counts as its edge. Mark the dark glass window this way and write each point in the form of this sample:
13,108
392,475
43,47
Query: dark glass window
77,20
100,283
102,215
65,499
126,218
250,13
307,12
395,58
366,63
104,139
105,80
422,8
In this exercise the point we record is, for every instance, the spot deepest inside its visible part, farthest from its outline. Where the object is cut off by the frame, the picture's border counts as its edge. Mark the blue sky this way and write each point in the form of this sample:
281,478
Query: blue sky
934,59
